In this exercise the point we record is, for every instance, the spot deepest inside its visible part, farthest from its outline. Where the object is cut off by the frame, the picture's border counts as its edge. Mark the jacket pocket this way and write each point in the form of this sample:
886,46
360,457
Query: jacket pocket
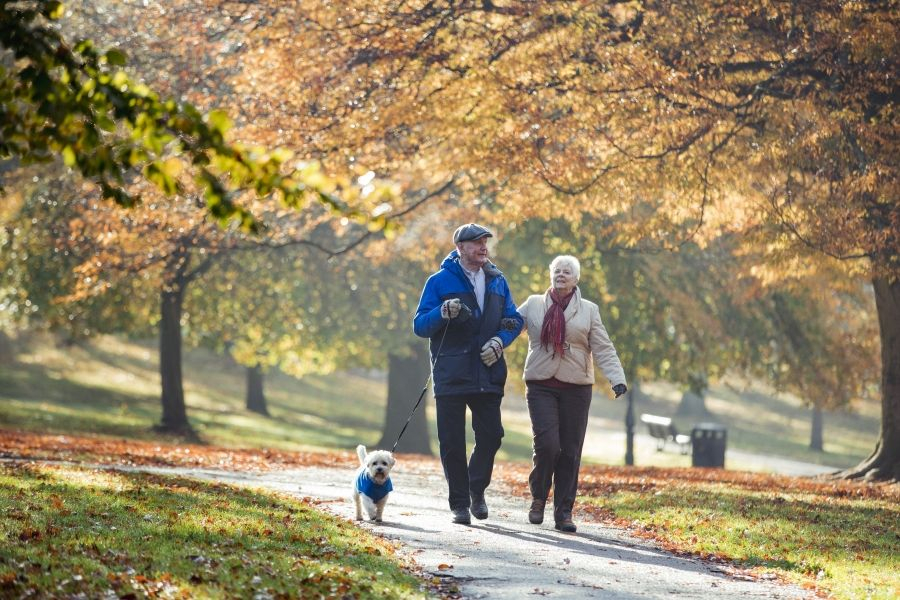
497,372
453,368
582,358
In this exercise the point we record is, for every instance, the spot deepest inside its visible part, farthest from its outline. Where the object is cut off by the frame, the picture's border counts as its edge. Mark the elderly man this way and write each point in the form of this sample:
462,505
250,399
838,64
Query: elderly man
467,311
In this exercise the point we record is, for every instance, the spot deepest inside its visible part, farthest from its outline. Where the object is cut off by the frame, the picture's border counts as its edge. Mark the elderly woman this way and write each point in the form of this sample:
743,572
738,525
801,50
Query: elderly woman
565,338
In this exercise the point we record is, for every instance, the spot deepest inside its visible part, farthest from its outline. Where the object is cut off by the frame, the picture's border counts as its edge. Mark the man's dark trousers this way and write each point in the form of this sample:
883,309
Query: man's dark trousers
451,424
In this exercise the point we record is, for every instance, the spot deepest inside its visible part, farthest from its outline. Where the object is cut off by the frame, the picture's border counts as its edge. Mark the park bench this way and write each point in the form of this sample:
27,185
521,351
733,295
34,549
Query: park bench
664,431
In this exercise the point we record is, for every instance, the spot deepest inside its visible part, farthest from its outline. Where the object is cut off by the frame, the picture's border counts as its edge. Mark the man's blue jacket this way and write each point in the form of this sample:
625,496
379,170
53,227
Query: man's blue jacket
456,361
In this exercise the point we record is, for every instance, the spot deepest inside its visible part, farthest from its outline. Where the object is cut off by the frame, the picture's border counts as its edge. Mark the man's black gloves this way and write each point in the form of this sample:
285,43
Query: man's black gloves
619,389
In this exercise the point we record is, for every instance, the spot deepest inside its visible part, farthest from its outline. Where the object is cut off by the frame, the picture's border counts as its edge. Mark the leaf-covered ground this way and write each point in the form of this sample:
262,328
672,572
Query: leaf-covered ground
840,538
74,532
23,444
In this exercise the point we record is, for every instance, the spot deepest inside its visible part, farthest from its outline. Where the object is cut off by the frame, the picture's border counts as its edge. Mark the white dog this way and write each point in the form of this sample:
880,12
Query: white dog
373,482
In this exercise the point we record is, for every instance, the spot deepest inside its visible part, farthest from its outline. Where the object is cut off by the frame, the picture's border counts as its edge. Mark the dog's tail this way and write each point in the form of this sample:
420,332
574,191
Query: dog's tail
361,453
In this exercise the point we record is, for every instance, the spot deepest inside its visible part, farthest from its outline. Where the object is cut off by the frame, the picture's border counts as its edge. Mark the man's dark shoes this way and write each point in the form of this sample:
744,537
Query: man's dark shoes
479,507
536,512
566,525
461,516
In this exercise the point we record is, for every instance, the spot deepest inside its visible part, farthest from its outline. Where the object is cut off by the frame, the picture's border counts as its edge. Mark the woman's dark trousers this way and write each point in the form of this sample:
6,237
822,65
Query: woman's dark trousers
559,419
451,425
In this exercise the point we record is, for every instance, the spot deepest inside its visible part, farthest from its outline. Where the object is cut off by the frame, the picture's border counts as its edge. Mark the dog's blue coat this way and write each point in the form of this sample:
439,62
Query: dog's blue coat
366,485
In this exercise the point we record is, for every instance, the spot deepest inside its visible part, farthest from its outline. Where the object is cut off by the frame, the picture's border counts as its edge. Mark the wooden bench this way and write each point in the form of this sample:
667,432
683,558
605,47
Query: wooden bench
664,431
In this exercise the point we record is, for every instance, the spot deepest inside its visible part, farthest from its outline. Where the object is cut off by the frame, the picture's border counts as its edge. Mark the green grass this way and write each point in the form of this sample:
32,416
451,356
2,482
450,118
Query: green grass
763,422
111,387
201,535
846,542
67,531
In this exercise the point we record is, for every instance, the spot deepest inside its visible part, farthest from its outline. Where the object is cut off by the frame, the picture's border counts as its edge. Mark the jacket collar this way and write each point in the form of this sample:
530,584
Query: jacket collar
571,309
452,260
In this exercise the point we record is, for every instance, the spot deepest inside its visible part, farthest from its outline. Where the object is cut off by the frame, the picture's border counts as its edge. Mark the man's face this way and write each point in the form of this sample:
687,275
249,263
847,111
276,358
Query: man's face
473,253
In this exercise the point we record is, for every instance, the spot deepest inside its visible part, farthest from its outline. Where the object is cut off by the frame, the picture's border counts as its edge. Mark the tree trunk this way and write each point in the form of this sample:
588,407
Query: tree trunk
693,401
174,413
692,405
631,396
7,350
884,462
815,435
406,377
256,399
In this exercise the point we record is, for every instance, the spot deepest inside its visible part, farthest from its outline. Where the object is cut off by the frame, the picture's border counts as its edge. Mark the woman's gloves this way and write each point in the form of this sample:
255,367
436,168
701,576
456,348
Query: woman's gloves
492,351
619,389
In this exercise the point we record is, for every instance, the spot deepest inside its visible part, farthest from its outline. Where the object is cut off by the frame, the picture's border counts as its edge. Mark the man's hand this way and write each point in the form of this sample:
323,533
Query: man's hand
492,351
450,308
619,389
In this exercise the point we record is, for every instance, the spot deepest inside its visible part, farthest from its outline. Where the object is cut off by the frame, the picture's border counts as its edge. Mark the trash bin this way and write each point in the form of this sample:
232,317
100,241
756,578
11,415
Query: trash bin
708,442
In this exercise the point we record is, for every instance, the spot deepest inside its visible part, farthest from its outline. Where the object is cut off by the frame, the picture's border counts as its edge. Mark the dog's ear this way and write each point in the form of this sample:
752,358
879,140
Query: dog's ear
392,459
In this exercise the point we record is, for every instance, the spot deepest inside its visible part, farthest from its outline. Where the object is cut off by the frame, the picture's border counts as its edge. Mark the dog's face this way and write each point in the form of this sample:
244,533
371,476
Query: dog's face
379,464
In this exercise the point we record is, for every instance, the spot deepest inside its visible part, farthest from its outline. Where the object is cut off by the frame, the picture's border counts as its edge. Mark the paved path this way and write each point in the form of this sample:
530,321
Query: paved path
505,556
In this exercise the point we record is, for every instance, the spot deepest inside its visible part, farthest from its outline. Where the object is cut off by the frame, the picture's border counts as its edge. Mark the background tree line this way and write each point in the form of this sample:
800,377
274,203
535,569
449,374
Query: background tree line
754,144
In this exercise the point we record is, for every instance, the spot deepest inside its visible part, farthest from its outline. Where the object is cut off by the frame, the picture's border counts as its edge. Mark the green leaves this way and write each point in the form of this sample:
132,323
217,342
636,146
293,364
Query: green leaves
68,155
165,175
78,103
219,121
53,10
115,57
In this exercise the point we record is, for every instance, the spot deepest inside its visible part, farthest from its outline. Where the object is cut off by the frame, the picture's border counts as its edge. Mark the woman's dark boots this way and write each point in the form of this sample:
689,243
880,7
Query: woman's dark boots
536,512
565,524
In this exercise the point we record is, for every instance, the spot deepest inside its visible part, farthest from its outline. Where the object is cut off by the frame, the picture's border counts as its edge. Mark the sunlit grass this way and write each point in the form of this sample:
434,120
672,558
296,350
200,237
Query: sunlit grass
110,386
68,531
762,421
846,545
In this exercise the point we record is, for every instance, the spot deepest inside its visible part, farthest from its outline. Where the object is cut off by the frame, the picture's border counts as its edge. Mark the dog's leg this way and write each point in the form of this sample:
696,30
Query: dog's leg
369,505
358,505
379,509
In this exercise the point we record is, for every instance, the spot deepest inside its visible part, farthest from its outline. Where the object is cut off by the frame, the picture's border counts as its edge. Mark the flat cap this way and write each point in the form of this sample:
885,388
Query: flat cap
470,232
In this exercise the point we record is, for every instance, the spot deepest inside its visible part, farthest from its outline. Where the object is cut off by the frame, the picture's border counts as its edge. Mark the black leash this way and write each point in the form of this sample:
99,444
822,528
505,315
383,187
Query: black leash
424,389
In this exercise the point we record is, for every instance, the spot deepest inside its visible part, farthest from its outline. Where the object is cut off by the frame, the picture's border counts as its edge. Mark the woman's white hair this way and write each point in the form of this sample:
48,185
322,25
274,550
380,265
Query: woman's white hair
565,259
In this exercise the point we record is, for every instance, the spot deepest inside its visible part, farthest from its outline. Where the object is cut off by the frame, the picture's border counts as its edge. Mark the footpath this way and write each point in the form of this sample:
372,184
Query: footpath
504,556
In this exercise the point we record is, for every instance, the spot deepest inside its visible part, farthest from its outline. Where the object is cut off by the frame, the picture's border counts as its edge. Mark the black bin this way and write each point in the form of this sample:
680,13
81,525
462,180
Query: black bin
708,441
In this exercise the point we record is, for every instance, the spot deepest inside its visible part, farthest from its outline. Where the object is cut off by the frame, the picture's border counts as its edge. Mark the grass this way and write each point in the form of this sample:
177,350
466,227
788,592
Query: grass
145,535
69,531
839,538
111,387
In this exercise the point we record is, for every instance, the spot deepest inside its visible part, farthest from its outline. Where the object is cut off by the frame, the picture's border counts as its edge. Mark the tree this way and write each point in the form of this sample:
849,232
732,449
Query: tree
72,96
695,119
267,309
75,101
39,271
698,313
373,298
170,246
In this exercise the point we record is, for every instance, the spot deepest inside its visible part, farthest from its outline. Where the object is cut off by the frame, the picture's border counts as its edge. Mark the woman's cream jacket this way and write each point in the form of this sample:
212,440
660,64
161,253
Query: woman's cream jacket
586,338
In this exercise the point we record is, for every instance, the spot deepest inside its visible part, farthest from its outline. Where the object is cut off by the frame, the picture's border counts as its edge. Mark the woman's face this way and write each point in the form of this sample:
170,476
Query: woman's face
562,277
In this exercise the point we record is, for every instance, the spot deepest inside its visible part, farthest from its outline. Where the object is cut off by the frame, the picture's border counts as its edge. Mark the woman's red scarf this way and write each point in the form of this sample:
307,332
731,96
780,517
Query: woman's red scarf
553,330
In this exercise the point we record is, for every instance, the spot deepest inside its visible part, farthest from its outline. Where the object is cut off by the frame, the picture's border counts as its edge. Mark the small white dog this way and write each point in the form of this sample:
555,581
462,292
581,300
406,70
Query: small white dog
373,482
